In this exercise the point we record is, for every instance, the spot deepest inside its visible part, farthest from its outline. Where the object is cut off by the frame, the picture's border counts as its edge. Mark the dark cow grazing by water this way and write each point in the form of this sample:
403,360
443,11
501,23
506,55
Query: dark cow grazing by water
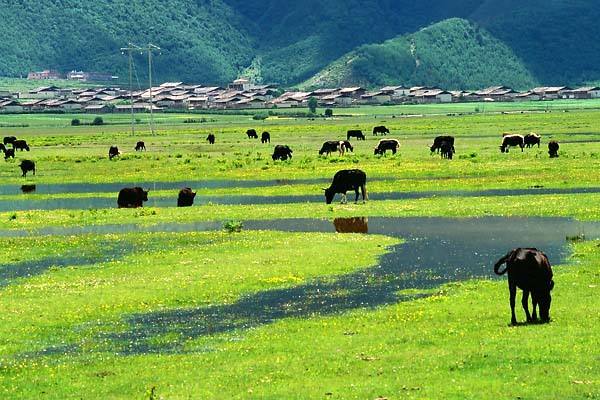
345,180
532,139
447,150
380,129
437,143
20,145
265,137
529,270
358,134
113,152
210,138
28,188
9,153
252,134
553,147
186,198
282,152
139,146
345,145
385,145
132,197
9,139
329,147
511,141
26,166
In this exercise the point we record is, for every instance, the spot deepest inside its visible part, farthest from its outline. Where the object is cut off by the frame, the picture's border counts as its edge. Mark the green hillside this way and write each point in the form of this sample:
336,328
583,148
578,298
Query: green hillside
453,54
201,40
287,41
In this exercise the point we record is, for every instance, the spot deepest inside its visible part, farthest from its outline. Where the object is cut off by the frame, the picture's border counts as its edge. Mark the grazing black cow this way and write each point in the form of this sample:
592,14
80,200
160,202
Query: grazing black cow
357,133
529,270
9,139
26,166
345,180
211,138
330,146
28,188
252,134
282,152
345,145
265,137
385,145
532,139
9,153
139,146
20,145
113,152
186,198
380,129
437,143
132,197
447,150
553,147
512,140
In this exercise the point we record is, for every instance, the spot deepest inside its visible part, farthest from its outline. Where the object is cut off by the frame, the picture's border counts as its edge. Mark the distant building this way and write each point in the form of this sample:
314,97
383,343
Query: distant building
44,75
82,76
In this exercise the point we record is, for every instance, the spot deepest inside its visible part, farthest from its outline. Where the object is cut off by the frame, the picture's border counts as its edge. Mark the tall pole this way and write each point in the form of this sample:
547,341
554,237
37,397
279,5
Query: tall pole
150,49
130,49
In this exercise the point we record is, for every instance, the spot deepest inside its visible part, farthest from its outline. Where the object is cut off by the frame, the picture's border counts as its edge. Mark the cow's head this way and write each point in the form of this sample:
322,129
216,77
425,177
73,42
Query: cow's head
377,151
349,146
503,149
329,195
145,195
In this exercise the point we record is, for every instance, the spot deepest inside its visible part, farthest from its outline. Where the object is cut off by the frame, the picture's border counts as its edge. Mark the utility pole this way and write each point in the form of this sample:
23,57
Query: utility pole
130,49
150,49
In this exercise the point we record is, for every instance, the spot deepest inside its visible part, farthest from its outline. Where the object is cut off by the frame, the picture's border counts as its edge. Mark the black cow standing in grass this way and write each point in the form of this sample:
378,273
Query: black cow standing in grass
113,152
132,197
252,134
282,152
553,147
186,198
437,143
344,181
447,150
9,140
210,138
20,145
26,166
356,133
512,141
9,153
529,270
345,145
139,146
380,129
387,144
265,137
329,147
532,139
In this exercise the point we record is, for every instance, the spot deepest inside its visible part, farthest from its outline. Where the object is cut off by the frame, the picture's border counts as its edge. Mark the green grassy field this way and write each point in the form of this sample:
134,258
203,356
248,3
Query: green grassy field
113,314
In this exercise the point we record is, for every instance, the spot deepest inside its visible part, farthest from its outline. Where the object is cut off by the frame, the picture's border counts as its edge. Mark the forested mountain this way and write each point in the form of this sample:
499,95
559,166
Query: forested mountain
452,54
290,41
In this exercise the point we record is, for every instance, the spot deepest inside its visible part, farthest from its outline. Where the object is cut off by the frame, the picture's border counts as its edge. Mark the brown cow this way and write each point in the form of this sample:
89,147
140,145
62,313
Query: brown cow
132,197
512,140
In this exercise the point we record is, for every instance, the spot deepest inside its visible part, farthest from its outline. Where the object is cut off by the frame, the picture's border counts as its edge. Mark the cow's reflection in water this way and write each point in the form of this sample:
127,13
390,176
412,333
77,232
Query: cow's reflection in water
28,188
351,225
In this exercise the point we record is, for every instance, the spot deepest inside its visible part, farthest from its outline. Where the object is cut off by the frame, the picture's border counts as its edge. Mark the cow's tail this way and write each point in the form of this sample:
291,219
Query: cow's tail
499,263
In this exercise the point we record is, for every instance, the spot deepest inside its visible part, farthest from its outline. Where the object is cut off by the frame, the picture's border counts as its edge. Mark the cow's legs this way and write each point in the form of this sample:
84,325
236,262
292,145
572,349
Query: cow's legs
525,303
512,287
356,192
534,300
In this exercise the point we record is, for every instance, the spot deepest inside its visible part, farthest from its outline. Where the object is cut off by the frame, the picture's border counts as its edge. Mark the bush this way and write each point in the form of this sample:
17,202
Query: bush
233,226
98,121
75,122
328,113
260,117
